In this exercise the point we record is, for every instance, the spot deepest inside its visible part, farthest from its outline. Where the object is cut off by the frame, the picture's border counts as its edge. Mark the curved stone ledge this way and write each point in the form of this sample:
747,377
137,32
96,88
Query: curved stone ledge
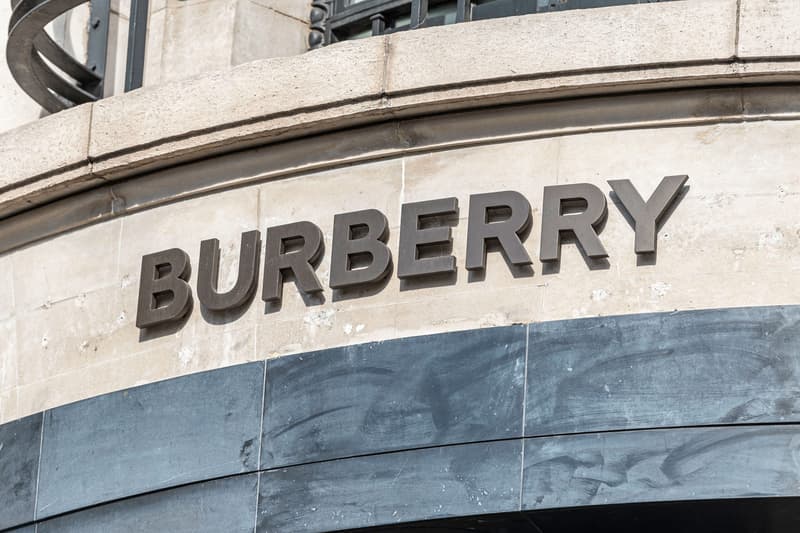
364,435
108,199
589,52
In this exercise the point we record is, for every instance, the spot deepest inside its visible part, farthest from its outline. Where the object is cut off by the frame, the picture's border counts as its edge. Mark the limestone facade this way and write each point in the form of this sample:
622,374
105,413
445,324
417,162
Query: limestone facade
362,125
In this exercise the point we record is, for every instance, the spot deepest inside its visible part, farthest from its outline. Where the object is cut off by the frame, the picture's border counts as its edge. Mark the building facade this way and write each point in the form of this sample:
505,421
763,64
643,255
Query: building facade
528,273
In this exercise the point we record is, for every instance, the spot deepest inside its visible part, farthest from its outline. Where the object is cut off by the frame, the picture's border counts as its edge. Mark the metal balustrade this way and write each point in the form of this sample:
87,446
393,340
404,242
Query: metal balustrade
338,20
56,80
48,73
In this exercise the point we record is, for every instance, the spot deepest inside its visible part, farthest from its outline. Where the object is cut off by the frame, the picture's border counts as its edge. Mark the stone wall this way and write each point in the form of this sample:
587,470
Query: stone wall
732,240
184,38
667,377
104,193
574,414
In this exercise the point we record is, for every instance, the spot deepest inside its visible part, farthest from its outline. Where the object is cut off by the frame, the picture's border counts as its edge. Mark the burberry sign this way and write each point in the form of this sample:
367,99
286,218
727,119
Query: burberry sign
360,254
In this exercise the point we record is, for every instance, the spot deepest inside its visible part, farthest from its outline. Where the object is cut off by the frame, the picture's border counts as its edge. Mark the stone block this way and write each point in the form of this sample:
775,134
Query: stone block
226,504
19,462
8,354
184,55
43,276
573,41
7,305
145,439
394,395
61,163
75,333
9,406
660,465
390,488
288,36
117,54
298,9
768,29
728,366
256,99
154,50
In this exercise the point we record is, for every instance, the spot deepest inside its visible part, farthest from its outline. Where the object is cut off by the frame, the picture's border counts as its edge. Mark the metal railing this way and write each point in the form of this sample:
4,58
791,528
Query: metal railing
338,20
56,80
48,73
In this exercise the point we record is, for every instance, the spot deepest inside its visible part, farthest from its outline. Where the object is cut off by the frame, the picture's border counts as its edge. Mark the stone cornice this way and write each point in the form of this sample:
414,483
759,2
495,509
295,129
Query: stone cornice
519,60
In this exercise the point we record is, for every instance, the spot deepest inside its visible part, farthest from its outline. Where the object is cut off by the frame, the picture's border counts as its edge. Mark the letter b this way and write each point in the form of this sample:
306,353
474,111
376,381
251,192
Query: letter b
164,294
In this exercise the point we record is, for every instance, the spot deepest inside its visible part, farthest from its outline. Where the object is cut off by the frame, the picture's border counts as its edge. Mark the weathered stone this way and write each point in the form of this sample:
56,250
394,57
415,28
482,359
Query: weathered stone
729,366
19,463
394,395
660,465
119,451
390,488
768,29
221,505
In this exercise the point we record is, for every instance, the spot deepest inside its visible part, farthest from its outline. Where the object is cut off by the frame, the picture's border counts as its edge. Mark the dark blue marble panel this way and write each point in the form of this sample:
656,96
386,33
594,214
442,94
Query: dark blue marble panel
224,505
392,488
421,391
661,465
723,366
156,436
19,462
25,529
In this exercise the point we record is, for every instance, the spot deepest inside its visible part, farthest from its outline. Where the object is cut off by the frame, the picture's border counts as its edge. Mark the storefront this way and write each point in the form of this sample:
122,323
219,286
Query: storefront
540,280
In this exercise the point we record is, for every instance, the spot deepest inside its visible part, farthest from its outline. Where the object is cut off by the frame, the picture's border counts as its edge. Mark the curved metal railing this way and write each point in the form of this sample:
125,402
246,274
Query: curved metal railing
30,52
48,73
338,20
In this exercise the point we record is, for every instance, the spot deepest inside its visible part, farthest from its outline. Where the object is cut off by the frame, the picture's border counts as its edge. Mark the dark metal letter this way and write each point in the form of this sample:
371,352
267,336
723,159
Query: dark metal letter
164,294
506,232
646,216
409,264
208,273
345,247
583,224
300,262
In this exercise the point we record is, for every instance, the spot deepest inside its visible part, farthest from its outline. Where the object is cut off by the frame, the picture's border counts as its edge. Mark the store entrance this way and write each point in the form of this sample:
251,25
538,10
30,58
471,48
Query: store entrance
752,515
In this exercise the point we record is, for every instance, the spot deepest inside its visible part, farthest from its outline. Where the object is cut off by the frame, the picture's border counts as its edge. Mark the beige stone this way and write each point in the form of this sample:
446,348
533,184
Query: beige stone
521,166
64,139
179,355
184,54
250,98
745,203
8,354
287,35
206,115
122,7
769,29
731,241
6,287
117,53
576,40
154,50
297,9
224,216
9,406
323,325
75,333
66,267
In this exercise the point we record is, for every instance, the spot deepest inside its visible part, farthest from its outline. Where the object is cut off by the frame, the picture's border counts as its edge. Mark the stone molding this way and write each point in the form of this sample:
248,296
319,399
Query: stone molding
632,408
102,199
688,44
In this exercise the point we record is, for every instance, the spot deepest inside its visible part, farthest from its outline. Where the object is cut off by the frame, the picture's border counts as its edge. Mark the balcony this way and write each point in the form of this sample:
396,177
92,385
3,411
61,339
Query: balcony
56,79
